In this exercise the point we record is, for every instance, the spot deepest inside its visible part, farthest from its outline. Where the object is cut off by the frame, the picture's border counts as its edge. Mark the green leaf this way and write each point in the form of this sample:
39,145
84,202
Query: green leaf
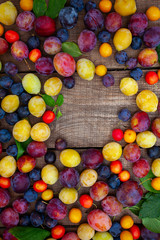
39,7
150,207
21,146
48,100
158,52
54,7
146,182
60,100
136,209
152,224
59,114
71,48
28,233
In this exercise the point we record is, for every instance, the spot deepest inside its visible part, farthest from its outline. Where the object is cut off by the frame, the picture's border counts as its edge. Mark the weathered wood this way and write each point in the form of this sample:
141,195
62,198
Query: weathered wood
90,111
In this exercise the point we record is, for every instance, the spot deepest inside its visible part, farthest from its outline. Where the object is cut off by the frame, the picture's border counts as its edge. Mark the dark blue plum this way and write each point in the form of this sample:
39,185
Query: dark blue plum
68,17
17,88
90,5
49,222
5,136
104,171
2,113
104,36
154,152
35,174
3,93
94,20
136,43
116,229
23,112
36,219
6,82
33,42
63,34
12,150
60,144
78,5
136,74
10,69
124,115
117,238
131,63
24,220
114,182
50,157
31,195
25,97
40,206
12,118
69,82
121,57
108,80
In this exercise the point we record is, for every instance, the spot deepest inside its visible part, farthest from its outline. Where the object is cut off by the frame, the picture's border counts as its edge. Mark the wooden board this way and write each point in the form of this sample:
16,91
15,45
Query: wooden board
90,110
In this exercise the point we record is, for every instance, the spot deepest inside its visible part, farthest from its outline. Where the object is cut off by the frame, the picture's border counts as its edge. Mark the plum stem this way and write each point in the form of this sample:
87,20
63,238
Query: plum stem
45,202
145,181
19,77
27,64
94,205
78,188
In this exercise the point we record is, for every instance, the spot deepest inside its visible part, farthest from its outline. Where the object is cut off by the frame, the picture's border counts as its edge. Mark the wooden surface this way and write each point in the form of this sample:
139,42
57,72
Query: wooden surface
90,110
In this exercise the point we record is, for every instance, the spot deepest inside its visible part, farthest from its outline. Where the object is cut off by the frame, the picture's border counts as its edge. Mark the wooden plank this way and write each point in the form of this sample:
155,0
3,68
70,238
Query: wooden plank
74,33
90,112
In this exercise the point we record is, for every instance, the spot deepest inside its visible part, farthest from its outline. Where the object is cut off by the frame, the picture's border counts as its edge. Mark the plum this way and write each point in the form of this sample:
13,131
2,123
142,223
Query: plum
44,66
148,235
36,149
99,191
129,193
19,50
20,182
56,209
25,21
140,122
45,26
147,57
87,41
151,37
26,163
9,218
69,177
132,152
92,158
68,17
64,64
4,197
99,220
94,20
113,22
3,46
52,45
111,206
138,23
141,168
156,127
